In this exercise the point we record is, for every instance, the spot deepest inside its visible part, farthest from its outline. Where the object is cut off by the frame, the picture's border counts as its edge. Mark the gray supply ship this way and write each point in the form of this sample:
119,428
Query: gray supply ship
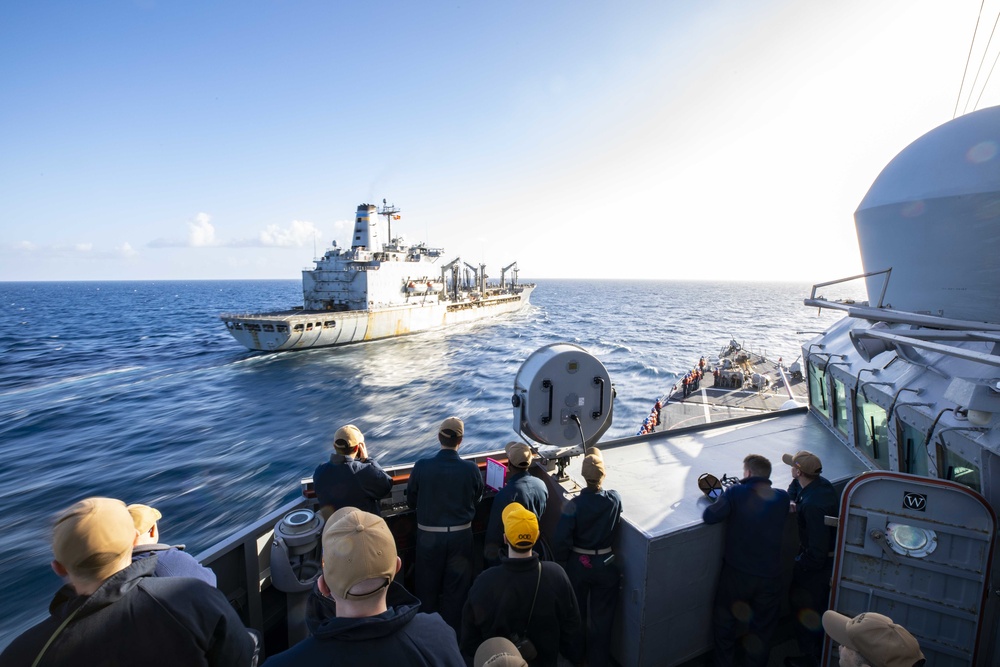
379,288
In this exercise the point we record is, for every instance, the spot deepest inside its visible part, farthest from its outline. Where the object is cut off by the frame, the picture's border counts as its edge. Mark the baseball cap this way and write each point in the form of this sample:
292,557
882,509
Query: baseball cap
520,525
880,642
452,427
519,454
357,546
347,438
91,536
144,516
805,461
498,652
592,467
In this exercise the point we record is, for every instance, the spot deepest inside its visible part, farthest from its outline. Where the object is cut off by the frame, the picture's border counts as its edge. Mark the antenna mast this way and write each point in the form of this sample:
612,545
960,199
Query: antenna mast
390,212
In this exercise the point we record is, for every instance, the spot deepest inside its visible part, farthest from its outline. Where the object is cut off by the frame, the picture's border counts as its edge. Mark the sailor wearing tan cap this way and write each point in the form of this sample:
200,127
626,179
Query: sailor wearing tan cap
498,652
813,498
362,616
587,528
520,487
350,478
872,640
444,490
171,561
115,612
524,598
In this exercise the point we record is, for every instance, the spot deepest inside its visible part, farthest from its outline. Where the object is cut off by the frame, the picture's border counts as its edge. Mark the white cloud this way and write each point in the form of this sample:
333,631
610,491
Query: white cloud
201,232
84,247
299,233
126,250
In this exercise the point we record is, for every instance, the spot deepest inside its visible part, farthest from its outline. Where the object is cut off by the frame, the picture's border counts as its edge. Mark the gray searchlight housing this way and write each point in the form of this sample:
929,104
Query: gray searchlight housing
561,391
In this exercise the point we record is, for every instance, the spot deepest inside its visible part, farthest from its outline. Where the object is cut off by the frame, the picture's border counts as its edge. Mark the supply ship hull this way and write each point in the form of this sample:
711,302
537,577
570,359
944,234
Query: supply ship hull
300,329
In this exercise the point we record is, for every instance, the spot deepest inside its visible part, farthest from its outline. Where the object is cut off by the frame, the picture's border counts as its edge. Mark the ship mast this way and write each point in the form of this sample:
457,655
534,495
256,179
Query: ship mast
389,211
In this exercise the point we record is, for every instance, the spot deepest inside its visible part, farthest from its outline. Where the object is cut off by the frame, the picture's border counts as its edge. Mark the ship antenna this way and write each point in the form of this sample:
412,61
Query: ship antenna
389,210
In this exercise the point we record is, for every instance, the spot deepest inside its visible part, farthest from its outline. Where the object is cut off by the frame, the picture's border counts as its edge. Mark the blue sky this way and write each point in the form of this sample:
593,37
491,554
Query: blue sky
216,140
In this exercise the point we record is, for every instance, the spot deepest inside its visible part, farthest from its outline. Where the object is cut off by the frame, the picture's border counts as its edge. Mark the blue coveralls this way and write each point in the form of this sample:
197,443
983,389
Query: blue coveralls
444,490
590,523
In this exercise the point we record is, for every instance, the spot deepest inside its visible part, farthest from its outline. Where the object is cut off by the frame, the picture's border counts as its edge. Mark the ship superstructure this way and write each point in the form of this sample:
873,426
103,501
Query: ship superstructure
379,288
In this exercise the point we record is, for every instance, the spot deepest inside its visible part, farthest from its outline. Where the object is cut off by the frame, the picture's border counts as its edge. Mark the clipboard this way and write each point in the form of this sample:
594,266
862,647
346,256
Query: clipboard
496,472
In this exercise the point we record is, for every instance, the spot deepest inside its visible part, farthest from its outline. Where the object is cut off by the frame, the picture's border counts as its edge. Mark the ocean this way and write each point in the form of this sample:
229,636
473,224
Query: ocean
135,390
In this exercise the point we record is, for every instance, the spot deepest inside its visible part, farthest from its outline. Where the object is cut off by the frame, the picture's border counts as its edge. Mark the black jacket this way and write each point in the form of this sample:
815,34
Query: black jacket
399,636
755,516
135,618
346,482
522,488
444,489
814,502
500,601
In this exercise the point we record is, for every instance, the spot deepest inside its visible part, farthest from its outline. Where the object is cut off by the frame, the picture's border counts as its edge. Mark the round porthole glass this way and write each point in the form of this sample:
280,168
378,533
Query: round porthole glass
910,540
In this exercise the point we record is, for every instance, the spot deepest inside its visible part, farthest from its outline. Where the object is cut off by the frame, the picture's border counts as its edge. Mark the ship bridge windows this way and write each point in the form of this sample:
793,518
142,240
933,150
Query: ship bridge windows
956,469
282,328
252,327
819,392
871,431
268,327
913,453
841,406
329,324
298,328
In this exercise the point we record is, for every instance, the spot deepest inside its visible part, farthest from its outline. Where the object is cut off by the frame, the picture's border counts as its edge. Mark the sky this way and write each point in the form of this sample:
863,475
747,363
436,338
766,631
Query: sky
690,139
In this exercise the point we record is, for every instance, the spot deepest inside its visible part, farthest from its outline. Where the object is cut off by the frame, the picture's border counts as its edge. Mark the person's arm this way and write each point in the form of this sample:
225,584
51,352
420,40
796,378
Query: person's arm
377,482
719,510
412,487
818,534
471,637
562,542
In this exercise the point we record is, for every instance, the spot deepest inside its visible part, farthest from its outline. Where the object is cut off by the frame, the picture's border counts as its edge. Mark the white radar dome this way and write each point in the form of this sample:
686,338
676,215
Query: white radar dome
933,217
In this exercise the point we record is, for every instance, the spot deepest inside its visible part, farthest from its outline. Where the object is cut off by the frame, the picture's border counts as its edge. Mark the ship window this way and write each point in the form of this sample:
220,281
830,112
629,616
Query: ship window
329,324
871,432
237,325
282,328
910,540
268,327
819,394
912,453
840,406
957,469
298,328
309,326
253,327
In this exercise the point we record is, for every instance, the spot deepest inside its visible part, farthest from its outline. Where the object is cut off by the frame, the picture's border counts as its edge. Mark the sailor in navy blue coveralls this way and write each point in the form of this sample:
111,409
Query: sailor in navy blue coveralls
583,543
444,490
755,516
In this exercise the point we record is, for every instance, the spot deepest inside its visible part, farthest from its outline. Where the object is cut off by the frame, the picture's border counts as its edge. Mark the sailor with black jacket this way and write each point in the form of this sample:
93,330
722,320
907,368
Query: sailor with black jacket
520,487
358,615
813,498
115,612
523,598
350,478
755,516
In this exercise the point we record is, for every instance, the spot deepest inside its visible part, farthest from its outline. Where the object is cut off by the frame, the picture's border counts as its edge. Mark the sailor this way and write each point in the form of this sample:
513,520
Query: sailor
350,478
755,516
444,490
526,600
872,640
111,609
171,561
358,614
521,487
813,498
583,543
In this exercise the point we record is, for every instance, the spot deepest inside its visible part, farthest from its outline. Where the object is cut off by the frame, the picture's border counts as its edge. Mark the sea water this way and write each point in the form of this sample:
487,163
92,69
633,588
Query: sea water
135,390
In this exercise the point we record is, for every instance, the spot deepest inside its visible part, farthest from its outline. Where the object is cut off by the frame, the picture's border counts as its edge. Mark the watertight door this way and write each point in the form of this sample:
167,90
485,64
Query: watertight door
918,550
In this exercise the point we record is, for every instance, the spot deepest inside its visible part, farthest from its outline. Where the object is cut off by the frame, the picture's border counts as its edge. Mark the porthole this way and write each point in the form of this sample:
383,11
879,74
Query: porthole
910,540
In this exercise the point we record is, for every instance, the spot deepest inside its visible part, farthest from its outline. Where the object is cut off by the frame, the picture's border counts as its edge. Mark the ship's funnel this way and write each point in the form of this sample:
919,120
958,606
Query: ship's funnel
933,217
562,397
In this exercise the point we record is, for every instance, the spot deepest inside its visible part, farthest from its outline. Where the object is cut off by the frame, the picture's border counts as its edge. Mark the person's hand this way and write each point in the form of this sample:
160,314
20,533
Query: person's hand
362,452
792,508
